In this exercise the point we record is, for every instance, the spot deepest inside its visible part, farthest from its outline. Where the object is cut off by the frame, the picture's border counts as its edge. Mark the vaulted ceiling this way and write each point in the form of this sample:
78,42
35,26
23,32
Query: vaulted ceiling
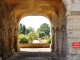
24,7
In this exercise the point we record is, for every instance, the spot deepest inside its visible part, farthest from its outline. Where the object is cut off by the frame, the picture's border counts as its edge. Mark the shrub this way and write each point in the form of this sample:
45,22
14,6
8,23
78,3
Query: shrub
23,40
48,41
32,36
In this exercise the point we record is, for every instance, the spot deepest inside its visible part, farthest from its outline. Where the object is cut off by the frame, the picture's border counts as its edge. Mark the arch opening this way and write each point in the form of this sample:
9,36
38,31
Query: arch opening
36,30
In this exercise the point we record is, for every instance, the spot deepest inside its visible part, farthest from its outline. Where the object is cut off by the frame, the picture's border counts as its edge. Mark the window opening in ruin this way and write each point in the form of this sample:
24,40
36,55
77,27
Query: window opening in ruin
34,34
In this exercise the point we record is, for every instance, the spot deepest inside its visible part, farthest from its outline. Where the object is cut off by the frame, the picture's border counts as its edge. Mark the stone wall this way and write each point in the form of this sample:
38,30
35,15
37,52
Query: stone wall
73,28
66,29
8,32
2,29
7,38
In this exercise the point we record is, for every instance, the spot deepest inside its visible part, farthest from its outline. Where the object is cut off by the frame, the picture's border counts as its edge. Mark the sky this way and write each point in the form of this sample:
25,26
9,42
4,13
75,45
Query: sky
34,21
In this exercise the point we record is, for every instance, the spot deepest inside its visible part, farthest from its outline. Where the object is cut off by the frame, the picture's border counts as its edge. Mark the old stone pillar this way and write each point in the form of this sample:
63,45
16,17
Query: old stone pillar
52,41
16,43
56,35
15,32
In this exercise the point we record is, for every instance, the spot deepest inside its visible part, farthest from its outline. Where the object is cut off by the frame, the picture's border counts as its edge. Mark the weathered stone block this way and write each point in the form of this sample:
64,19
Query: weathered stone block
73,57
67,1
70,24
76,1
76,33
75,8
68,8
72,50
73,22
72,39
76,23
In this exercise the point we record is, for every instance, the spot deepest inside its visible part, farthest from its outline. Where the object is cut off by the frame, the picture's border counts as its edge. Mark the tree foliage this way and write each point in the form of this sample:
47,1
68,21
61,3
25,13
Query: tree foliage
44,28
22,29
32,36
30,29
41,34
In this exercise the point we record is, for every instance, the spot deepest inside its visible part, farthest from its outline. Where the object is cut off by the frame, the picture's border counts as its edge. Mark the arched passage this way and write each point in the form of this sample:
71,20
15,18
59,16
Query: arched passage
57,18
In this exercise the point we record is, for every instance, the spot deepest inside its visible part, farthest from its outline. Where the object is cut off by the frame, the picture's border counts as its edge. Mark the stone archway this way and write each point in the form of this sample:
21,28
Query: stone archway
57,19
46,8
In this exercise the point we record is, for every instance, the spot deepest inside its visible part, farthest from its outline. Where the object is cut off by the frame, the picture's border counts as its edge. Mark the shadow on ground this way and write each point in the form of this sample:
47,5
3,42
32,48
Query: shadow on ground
25,55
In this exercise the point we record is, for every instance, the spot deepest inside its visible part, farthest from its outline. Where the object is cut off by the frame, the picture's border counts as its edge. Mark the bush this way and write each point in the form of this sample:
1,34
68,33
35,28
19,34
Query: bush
48,41
32,36
23,40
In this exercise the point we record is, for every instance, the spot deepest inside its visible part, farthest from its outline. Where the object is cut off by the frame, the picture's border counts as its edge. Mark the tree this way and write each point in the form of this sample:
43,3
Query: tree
20,29
29,29
41,34
23,29
44,28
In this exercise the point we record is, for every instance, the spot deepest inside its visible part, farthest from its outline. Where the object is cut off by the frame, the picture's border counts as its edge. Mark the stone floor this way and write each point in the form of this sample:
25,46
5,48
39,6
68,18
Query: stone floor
37,54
